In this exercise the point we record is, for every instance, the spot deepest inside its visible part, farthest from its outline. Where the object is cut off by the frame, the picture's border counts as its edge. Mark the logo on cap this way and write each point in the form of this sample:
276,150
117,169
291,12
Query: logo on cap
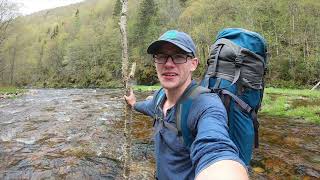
169,35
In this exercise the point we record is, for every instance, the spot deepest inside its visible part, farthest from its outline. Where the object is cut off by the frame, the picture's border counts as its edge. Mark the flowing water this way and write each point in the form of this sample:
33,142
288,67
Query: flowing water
78,134
69,134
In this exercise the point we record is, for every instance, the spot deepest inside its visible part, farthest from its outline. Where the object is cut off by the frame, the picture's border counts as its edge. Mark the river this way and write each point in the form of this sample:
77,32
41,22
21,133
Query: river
78,134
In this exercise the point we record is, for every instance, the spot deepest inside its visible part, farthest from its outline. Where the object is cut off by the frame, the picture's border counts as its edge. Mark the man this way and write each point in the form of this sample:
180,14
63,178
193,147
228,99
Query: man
212,154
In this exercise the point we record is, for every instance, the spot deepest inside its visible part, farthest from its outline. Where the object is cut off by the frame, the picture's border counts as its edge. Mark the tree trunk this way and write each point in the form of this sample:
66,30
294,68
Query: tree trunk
13,62
40,75
276,38
1,69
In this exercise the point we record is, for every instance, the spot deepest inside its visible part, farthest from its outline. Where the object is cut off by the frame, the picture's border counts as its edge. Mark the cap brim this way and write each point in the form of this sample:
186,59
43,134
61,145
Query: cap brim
153,47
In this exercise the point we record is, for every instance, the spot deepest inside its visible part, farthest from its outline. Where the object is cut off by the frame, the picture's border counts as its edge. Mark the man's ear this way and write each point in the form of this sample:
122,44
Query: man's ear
194,64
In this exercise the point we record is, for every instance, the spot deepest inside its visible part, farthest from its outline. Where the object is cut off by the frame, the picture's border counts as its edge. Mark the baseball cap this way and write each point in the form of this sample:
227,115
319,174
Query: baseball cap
180,39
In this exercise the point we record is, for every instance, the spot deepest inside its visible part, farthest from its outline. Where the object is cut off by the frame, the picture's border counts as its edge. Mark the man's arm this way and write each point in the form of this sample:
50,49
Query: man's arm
213,153
145,107
224,170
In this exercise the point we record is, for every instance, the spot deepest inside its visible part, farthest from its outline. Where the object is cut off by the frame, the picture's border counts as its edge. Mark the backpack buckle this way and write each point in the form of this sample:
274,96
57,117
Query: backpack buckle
215,90
157,119
238,61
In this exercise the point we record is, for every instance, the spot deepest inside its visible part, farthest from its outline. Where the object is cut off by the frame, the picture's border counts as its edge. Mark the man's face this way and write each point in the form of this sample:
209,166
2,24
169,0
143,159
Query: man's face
175,76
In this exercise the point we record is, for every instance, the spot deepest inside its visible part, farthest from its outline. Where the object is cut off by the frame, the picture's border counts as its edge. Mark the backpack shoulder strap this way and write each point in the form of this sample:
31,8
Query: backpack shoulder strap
158,118
183,109
159,97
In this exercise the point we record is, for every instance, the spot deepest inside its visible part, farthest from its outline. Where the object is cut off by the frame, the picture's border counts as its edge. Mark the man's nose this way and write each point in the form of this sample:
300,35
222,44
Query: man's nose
169,62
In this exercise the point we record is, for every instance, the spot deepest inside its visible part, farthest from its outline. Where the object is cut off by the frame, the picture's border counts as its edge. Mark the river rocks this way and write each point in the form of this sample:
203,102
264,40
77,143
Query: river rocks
10,95
307,171
42,175
315,159
292,141
258,169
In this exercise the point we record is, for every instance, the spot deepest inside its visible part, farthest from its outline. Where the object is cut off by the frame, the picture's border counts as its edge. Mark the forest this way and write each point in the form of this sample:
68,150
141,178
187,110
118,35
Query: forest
79,45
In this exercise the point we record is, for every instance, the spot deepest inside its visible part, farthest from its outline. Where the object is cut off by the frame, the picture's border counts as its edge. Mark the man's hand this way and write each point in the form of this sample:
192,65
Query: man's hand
131,99
224,170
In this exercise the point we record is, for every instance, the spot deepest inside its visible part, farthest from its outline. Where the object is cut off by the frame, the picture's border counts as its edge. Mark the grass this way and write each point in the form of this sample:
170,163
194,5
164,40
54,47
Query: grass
292,103
294,92
10,91
146,88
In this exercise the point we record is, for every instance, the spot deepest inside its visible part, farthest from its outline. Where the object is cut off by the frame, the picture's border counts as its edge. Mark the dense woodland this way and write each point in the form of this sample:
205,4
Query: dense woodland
79,45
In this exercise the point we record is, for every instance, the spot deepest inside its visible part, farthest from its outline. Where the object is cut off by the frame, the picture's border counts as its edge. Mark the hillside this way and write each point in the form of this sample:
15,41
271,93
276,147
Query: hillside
79,45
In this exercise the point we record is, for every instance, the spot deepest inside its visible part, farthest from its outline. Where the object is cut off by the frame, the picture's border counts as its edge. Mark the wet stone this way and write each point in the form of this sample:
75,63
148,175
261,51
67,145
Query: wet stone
24,164
258,169
142,151
315,159
303,170
42,175
27,174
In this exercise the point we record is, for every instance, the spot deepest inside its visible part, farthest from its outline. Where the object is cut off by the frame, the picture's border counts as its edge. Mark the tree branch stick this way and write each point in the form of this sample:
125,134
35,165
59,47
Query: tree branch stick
126,78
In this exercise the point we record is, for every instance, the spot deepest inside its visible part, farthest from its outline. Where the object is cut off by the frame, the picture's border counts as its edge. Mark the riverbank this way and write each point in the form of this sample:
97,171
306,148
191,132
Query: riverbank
277,102
10,92
281,102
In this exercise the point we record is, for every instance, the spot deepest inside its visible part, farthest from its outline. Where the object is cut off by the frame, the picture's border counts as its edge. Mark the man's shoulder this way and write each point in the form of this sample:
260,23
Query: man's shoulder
206,102
207,99
206,106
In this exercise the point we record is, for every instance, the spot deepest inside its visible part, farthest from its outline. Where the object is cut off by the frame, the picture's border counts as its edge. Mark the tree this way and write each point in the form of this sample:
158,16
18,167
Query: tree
147,11
117,9
145,30
13,59
8,11
80,46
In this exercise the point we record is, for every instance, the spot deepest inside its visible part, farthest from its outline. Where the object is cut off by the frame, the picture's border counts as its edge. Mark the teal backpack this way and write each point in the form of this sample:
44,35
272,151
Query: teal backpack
235,71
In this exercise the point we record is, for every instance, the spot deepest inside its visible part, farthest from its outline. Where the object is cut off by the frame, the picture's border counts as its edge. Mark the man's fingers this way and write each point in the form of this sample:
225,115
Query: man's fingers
131,91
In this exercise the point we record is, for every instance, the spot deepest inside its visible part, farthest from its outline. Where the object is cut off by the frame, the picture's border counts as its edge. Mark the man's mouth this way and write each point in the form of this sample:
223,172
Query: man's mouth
169,74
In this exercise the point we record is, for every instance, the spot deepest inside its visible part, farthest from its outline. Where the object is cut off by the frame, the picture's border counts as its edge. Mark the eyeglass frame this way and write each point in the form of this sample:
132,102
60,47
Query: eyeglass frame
173,59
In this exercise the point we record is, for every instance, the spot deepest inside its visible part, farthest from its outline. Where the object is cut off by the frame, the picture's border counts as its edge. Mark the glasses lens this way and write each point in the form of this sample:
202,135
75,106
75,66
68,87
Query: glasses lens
160,58
176,58
179,58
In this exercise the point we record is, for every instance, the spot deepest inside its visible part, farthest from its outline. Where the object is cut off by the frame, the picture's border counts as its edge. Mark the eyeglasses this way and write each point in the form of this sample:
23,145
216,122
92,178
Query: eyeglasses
176,58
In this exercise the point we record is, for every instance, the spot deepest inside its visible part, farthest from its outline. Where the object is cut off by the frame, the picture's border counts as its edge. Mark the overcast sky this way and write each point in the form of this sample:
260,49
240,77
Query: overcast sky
31,6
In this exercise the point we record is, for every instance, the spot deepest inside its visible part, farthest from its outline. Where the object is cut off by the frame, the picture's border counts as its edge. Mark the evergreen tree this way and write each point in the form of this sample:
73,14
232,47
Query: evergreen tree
117,8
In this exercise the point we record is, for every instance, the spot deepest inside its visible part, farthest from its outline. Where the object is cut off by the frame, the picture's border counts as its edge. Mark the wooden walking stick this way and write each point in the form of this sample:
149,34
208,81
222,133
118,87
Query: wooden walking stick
126,77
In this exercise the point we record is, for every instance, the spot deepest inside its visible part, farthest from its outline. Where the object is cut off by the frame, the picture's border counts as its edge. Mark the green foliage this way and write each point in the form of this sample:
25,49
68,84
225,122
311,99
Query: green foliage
117,8
79,45
146,74
144,25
